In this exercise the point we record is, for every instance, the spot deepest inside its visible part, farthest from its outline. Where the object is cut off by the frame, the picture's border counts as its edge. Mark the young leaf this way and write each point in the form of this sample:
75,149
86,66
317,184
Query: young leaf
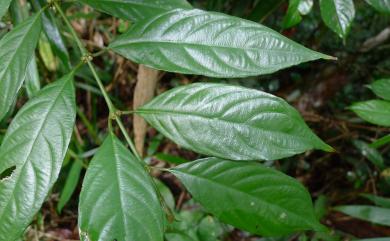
249,196
4,5
35,143
338,15
230,122
368,213
373,111
135,10
382,6
118,200
211,44
293,16
381,88
16,49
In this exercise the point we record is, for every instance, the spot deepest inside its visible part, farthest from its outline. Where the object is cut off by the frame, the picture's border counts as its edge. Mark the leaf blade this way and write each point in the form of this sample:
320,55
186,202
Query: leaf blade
16,49
368,213
135,10
249,196
237,123
4,5
373,111
46,122
381,88
122,212
211,44
382,6
338,15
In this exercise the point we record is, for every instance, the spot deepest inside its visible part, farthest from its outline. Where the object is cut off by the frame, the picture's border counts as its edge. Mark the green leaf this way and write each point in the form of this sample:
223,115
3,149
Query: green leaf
4,5
372,154
166,194
178,236
16,49
249,196
118,200
381,88
32,81
211,44
293,16
379,201
170,158
230,122
382,6
19,12
381,141
136,10
368,213
305,6
35,143
373,111
53,34
70,184
338,15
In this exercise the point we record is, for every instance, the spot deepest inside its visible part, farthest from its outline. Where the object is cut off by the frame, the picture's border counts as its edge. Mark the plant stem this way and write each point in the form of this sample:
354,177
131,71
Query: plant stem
87,57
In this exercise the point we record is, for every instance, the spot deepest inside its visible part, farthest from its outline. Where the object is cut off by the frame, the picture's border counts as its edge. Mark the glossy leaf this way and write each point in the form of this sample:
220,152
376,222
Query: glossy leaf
372,154
338,15
377,200
305,6
373,111
118,200
211,44
368,213
381,88
4,5
35,143
70,184
249,196
293,16
230,122
16,49
382,6
135,10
